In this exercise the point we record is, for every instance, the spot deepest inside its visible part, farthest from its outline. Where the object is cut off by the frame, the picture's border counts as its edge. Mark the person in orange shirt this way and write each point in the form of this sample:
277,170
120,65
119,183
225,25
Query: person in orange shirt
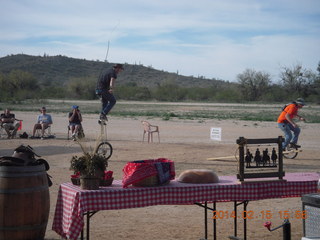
287,125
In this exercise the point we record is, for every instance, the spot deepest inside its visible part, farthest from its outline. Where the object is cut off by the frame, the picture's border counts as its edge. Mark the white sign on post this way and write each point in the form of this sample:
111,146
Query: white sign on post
215,134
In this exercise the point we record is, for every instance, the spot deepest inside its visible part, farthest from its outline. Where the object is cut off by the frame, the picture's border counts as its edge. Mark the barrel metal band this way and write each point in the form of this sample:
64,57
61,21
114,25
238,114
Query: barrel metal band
24,227
16,175
24,190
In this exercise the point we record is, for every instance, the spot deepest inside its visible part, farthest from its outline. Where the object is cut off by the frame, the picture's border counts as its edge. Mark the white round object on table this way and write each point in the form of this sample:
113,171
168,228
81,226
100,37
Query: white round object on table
198,176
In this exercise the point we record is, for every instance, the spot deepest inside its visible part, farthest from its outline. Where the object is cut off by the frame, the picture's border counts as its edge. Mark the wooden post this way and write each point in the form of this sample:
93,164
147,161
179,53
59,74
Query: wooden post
241,142
280,157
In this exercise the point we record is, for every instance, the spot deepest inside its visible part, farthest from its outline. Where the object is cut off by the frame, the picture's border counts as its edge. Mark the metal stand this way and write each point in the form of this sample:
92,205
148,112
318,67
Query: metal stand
244,215
103,130
286,225
214,220
89,215
206,208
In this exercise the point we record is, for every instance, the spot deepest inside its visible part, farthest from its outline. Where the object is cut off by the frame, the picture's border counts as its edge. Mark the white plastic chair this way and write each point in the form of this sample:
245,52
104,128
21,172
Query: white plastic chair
150,130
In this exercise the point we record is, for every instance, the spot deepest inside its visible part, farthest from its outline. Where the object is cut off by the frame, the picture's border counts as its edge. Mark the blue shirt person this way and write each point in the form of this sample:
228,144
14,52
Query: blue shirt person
44,120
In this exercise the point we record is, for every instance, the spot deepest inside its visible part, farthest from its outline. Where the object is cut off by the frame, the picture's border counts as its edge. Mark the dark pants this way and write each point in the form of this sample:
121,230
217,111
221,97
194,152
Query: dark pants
108,101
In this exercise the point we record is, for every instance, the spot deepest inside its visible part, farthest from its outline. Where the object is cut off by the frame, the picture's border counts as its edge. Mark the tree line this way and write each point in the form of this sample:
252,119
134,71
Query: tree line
251,86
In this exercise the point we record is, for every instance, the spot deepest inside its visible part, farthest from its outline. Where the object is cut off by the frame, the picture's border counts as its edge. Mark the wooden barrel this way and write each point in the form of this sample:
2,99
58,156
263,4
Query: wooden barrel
24,202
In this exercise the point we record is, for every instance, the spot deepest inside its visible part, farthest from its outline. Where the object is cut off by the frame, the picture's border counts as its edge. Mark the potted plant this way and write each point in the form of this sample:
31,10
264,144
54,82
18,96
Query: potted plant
90,167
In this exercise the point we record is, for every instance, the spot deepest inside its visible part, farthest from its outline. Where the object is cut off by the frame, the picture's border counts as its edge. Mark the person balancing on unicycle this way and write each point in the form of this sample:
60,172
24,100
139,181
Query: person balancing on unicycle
105,87
287,125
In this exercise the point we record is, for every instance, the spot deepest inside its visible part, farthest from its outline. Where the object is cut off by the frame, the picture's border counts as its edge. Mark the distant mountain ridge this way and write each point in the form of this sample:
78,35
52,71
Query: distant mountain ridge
59,69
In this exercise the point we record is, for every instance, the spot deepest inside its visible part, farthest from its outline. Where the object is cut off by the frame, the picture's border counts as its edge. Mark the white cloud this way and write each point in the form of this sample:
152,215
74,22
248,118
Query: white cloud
215,39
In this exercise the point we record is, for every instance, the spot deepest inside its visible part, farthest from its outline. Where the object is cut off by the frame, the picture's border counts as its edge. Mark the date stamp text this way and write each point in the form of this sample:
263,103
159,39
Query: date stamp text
264,214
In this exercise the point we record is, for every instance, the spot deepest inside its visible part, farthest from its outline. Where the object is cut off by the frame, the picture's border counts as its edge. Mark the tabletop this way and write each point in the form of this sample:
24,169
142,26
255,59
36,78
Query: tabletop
73,202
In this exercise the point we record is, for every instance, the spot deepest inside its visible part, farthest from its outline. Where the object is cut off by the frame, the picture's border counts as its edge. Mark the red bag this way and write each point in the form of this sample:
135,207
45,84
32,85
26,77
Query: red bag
136,171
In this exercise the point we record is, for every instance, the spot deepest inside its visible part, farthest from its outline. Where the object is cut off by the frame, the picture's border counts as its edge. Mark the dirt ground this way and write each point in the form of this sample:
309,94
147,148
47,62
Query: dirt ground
188,144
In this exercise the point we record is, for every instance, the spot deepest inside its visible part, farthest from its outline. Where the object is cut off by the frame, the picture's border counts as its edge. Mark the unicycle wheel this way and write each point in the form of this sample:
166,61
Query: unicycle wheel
105,149
291,152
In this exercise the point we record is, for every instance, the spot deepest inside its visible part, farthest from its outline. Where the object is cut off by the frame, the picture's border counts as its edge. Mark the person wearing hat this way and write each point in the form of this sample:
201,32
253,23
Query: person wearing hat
75,120
288,126
105,88
44,120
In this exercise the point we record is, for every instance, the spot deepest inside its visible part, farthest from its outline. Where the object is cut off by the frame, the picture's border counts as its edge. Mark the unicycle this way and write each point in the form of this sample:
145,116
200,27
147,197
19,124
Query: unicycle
104,148
291,152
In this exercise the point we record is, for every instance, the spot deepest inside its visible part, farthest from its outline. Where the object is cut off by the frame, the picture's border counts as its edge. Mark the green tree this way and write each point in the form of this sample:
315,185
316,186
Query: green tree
131,91
228,95
297,81
3,88
201,94
169,92
253,84
18,85
81,88
315,93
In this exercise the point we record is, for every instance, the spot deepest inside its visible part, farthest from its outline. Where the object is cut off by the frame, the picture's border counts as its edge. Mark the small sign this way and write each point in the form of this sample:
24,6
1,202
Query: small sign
215,134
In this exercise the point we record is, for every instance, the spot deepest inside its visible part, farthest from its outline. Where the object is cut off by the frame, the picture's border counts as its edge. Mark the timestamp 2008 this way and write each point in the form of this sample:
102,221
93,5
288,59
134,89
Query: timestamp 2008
264,214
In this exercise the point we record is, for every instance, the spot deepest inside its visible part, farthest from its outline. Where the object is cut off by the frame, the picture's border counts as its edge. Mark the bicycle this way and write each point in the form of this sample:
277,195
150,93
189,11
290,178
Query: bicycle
104,148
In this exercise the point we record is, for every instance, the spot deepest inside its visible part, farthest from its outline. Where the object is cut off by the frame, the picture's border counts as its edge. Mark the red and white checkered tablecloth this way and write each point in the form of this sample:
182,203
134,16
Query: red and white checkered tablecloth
73,202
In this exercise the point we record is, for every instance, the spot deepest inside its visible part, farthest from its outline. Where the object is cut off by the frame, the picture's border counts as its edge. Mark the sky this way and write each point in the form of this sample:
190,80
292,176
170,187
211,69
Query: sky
210,38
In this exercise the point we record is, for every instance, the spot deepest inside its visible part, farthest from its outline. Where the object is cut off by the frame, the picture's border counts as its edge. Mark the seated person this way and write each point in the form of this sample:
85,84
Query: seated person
43,122
75,120
7,120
